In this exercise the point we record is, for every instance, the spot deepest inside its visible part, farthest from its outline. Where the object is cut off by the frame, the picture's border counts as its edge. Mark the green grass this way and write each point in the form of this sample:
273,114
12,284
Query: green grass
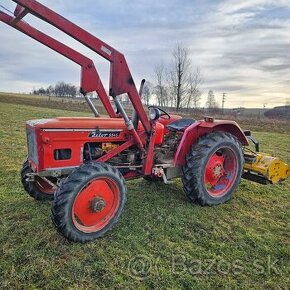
182,245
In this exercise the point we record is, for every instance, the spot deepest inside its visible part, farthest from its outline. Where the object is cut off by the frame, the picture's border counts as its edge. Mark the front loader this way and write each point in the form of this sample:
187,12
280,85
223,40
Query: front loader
82,163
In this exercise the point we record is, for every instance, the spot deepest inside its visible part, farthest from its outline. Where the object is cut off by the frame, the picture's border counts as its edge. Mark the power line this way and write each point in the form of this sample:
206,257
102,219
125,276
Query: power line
223,103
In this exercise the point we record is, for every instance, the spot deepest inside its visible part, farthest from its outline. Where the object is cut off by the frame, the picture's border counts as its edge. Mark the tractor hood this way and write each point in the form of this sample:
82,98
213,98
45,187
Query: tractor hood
78,123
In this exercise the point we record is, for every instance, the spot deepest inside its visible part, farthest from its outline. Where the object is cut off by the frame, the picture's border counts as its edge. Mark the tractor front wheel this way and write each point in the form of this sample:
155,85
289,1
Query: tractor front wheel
40,188
213,169
89,202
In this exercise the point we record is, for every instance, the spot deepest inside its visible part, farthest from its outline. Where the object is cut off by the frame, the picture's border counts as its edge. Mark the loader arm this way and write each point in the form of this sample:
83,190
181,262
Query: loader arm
121,80
90,80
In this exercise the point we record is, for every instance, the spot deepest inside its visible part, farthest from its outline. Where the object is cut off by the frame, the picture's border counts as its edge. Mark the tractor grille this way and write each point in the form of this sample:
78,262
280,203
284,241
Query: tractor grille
32,146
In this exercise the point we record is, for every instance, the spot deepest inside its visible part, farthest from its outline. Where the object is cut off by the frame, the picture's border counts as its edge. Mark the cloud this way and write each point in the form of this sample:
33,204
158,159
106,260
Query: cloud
241,47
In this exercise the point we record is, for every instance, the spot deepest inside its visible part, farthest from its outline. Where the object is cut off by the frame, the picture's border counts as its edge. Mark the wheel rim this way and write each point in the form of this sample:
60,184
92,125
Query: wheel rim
44,185
95,205
220,172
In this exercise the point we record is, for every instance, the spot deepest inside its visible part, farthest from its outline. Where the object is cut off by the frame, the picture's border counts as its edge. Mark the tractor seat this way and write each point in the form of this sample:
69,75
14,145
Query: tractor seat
180,125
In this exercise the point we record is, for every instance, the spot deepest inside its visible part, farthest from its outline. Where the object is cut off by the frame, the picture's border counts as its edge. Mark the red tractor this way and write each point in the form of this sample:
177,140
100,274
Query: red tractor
82,163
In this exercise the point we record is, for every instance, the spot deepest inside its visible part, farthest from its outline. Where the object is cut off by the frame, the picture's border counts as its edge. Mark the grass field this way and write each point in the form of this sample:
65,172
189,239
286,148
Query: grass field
161,242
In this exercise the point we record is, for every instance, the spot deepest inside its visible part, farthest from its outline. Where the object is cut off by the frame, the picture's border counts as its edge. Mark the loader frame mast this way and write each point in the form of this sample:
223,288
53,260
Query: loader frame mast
121,81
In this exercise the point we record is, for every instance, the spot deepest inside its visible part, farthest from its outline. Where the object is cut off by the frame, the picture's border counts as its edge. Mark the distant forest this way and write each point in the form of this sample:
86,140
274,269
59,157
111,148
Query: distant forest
61,89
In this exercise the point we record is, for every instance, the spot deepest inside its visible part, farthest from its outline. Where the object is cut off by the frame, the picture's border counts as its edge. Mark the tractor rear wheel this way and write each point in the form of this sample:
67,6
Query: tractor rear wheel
213,169
40,188
89,202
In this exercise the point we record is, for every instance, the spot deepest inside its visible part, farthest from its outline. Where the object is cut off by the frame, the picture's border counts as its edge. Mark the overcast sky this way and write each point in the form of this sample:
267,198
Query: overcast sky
241,47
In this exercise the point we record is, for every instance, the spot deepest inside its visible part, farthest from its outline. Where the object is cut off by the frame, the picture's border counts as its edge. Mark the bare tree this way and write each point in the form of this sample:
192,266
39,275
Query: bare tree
160,89
171,89
194,92
178,85
287,103
65,90
211,102
147,93
180,73
42,91
50,92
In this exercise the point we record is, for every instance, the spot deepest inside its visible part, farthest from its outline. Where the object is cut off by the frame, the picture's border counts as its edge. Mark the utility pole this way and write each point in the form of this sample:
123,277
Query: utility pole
223,103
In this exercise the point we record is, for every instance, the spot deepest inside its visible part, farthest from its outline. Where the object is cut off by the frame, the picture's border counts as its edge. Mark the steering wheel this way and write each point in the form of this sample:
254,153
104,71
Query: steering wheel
164,114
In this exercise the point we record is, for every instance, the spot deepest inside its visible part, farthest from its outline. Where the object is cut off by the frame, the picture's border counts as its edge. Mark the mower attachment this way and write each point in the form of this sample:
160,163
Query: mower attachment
263,168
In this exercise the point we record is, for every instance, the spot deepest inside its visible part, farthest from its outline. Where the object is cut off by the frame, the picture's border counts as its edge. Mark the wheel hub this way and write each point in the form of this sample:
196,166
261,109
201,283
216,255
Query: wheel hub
215,169
218,170
97,205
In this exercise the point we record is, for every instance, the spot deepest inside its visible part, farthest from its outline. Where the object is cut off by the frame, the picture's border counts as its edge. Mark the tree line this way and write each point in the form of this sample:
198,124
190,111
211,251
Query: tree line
177,84
61,89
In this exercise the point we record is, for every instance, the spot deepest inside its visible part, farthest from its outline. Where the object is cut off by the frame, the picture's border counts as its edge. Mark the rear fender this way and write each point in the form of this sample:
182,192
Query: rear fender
201,128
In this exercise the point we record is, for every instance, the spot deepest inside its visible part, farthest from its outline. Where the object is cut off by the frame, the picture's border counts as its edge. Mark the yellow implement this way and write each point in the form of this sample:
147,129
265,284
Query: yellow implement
263,168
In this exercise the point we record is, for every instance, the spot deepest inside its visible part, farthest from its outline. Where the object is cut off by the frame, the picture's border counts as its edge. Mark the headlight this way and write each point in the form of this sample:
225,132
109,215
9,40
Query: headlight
154,114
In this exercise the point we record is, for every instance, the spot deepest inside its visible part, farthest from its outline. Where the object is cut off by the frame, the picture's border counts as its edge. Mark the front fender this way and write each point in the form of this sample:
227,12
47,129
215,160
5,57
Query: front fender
201,128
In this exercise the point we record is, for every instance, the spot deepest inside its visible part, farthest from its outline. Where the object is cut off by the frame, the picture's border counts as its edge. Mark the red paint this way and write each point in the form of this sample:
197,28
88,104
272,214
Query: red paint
90,80
121,80
73,133
220,172
201,128
101,189
148,164
214,169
